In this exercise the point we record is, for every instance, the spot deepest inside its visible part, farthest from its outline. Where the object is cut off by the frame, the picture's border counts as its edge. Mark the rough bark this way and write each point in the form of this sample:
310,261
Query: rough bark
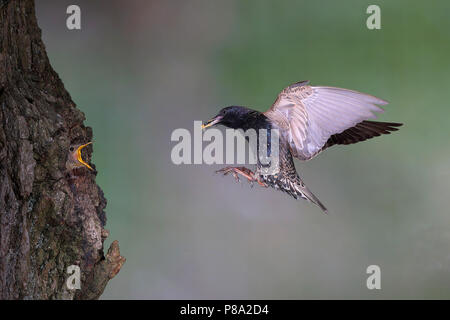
49,218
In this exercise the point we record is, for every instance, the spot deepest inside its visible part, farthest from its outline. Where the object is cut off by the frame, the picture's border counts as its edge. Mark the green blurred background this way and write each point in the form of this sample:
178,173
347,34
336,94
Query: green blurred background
140,69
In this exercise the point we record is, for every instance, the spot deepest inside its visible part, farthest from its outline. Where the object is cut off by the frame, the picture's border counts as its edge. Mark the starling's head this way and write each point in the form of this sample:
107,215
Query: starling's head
232,117
74,159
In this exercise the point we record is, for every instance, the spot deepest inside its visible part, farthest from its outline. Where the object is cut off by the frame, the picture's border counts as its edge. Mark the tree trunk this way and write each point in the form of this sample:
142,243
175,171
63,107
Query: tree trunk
50,217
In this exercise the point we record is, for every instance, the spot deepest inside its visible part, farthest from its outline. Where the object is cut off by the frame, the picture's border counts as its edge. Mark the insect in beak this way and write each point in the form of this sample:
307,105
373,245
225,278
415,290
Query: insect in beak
211,122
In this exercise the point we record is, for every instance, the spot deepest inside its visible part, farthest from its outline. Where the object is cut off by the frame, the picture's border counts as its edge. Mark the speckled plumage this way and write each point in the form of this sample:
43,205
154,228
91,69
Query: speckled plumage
309,120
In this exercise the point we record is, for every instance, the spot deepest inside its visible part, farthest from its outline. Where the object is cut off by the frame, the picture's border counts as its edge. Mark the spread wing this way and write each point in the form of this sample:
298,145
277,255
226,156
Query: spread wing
313,115
361,132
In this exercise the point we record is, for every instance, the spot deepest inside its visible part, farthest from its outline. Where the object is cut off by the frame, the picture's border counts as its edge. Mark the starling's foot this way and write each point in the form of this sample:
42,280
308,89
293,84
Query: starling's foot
233,171
243,171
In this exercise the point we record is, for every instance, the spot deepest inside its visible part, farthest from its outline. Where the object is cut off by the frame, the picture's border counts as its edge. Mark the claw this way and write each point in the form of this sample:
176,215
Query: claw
247,173
262,184
225,171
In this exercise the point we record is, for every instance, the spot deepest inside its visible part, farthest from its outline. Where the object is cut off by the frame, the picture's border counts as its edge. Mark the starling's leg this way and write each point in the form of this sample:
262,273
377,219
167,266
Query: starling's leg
262,184
243,171
250,175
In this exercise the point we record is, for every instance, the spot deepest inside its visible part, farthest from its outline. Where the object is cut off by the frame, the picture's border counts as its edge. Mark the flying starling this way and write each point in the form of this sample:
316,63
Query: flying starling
309,120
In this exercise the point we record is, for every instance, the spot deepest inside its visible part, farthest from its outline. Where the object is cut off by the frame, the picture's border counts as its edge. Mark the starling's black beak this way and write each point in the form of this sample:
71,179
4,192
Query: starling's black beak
212,122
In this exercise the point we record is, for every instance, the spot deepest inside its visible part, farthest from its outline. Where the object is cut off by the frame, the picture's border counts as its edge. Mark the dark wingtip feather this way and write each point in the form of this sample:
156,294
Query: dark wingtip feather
362,131
394,124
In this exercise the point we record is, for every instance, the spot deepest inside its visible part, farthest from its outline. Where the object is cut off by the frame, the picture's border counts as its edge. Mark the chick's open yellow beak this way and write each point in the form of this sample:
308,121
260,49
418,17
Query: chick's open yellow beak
80,159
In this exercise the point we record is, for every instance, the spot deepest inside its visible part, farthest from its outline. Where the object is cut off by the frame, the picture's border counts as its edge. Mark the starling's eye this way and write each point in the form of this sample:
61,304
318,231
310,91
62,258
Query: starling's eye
71,149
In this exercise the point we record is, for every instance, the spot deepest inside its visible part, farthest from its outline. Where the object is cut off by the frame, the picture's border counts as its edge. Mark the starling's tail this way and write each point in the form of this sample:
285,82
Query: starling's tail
306,193
294,187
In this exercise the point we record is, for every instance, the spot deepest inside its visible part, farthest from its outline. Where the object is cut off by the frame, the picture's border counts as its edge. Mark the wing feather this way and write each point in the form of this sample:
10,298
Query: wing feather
316,115
361,132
